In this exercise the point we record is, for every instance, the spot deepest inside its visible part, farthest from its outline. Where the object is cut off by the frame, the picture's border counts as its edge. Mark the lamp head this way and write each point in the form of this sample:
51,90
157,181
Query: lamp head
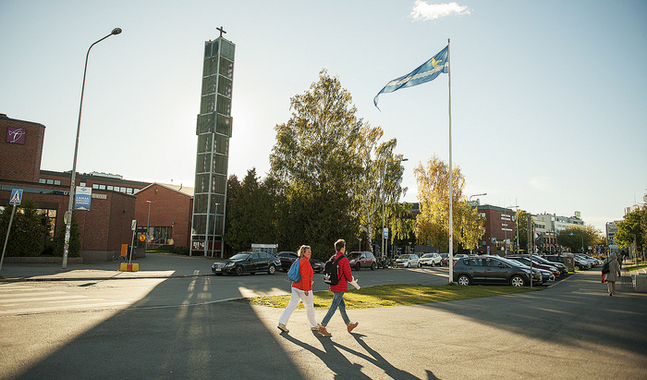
116,31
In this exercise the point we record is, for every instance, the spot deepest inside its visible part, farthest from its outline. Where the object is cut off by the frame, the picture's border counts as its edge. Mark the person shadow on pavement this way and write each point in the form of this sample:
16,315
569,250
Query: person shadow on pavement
341,366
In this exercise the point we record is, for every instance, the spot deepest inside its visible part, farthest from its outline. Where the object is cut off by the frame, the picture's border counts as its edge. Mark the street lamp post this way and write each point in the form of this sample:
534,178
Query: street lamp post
384,240
68,214
148,224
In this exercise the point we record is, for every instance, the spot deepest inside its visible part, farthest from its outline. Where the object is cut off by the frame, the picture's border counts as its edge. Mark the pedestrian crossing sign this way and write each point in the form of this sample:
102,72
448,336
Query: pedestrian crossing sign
16,197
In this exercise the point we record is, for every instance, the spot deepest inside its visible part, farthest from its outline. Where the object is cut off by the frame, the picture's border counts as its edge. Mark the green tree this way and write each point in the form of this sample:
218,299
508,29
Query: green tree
379,185
74,249
315,163
574,236
632,229
522,229
27,235
251,212
433,221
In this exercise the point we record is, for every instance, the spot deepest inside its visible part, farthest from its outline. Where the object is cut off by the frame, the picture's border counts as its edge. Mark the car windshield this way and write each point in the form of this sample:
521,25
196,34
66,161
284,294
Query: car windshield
404,257
353,255
511,262
427,255
239,256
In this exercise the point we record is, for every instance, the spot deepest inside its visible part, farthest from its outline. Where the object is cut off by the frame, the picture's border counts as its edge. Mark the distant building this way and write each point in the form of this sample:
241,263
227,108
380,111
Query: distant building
547,228
114,202
500,230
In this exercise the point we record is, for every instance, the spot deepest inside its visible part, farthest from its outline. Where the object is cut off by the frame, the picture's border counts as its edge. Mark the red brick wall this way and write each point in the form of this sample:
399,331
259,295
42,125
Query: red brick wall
21,162
168,208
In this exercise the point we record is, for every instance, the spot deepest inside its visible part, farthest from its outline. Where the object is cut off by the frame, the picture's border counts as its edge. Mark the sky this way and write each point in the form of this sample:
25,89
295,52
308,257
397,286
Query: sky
548,98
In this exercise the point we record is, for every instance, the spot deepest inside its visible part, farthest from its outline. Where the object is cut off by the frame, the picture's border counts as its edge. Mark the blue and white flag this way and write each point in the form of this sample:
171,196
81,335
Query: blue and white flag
428,71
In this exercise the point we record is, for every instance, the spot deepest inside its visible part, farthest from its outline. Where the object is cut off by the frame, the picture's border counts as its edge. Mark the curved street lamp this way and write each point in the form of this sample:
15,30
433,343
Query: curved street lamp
68,214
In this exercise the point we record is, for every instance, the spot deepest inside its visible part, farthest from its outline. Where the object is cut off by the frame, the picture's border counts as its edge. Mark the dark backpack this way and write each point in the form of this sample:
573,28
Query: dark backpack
330,275
605,268
293,274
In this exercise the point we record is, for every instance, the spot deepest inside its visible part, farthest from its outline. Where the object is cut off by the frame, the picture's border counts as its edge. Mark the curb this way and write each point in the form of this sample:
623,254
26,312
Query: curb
43,279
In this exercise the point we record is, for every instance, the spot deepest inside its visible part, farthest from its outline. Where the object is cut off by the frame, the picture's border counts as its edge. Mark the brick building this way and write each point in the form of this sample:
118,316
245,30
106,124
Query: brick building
164,214
500,230
115,202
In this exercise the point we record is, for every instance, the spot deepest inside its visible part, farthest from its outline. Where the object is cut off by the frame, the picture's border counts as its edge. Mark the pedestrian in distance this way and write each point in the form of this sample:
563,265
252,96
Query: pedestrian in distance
614,273
344,275
301,291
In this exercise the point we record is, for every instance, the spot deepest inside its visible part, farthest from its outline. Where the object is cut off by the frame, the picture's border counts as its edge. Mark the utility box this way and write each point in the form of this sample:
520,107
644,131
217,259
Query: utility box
569,261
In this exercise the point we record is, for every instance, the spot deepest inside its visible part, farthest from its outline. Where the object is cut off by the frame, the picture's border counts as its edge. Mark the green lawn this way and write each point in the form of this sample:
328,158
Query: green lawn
395,295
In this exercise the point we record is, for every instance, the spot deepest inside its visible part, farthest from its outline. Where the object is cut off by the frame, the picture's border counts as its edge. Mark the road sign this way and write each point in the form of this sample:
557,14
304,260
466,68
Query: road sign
133,224
142,237
16,197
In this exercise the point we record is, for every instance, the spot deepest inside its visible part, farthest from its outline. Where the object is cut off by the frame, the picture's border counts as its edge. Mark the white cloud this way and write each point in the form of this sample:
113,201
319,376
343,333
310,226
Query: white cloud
423,11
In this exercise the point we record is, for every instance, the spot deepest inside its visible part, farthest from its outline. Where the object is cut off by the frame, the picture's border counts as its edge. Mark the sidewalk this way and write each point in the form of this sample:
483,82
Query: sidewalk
152,266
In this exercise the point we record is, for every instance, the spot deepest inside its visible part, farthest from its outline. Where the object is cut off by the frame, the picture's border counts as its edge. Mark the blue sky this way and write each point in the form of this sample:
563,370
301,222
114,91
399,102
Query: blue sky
549,99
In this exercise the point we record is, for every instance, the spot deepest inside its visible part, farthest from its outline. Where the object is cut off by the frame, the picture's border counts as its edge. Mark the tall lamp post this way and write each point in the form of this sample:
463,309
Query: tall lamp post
385,239
148,224
68,214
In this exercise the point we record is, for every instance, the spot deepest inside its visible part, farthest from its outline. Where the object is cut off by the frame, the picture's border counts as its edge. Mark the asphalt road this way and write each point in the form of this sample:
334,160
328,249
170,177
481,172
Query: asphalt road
183,328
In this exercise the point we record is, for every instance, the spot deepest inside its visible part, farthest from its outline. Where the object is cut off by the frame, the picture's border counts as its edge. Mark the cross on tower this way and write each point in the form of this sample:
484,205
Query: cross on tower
221,30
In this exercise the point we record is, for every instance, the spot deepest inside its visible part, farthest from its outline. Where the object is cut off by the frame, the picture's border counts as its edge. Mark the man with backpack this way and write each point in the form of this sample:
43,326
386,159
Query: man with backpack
338,287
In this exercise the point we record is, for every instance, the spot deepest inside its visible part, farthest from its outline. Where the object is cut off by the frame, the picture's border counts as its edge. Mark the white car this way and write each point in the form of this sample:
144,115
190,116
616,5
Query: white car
408,261
430,259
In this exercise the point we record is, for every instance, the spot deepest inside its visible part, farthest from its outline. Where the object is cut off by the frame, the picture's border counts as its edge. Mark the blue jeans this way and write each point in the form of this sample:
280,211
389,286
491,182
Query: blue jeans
337,302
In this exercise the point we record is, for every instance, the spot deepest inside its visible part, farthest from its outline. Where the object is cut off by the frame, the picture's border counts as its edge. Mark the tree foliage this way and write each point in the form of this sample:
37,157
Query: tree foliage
27,235
573,237
433,220
315,162
633,228
379,187
522,229
251,211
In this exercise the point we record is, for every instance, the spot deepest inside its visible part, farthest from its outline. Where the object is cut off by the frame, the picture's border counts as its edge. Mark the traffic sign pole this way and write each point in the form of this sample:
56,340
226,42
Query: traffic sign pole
15,200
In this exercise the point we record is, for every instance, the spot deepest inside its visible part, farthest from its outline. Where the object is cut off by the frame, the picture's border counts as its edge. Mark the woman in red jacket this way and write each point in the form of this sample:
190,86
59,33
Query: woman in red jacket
301,291
344,276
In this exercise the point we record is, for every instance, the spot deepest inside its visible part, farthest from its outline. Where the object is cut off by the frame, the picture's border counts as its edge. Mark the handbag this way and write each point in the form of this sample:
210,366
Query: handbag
604,277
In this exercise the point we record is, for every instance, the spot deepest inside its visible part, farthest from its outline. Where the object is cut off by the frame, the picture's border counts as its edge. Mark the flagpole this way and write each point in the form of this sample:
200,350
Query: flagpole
451,208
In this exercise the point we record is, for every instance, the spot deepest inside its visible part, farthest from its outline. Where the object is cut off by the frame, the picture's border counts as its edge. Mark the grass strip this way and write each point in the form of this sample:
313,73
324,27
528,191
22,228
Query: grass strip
394,295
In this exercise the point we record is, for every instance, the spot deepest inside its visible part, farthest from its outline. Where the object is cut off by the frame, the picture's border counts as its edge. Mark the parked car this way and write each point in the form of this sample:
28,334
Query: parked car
408,261
560,266
546,275
361,259
593,262
493,270
431,259
247,262
445,257
288,257
535,264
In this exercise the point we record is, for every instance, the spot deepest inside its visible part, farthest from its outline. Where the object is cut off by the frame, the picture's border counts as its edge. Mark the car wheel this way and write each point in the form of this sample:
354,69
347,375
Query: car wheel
408,265
517,281
373,266
239,270
464,280
433,264
271,269
419,265
358,266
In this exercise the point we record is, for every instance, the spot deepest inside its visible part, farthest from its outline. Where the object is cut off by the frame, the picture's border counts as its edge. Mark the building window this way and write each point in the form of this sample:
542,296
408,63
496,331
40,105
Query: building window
82,184
102,187
110,187
95,185
57,182
41,180
50,181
